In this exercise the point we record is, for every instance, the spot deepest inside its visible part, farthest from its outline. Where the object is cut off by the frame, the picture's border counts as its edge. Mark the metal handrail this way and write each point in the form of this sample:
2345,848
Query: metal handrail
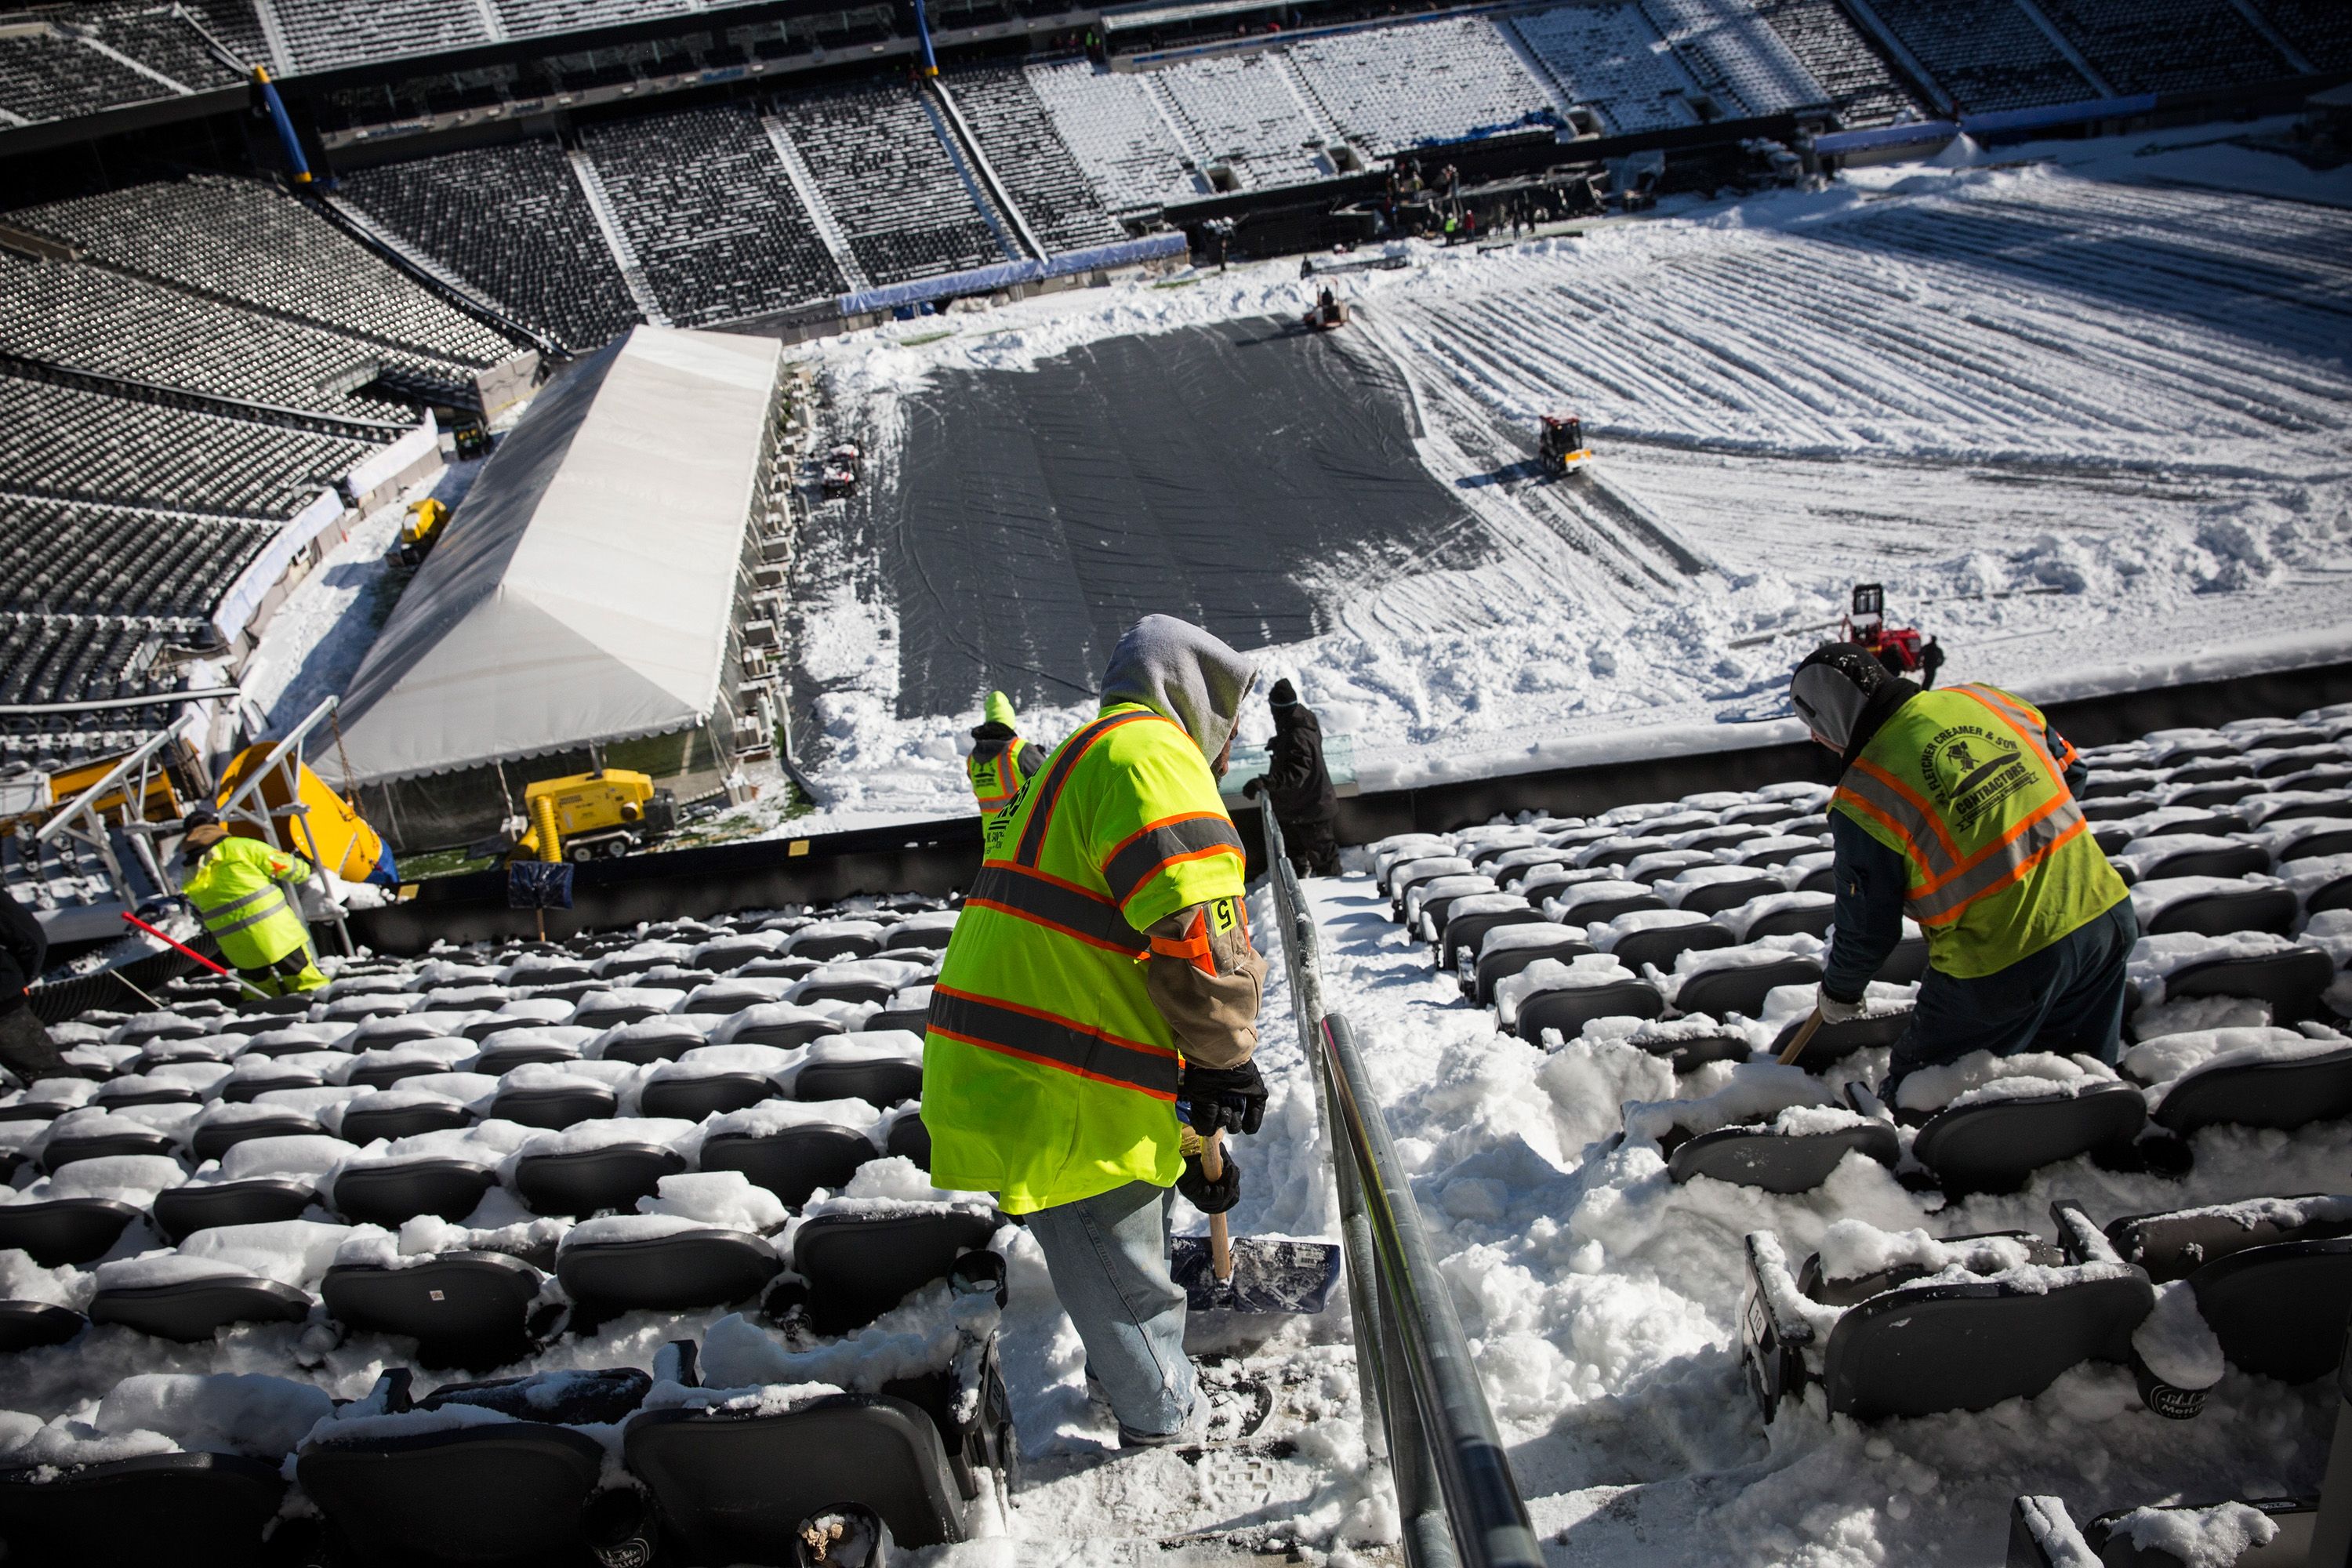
1410,1354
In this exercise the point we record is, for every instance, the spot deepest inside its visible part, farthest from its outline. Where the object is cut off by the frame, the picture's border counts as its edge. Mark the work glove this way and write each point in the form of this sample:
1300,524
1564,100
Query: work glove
1208,1197
1837,1011
1230,1097
1255,788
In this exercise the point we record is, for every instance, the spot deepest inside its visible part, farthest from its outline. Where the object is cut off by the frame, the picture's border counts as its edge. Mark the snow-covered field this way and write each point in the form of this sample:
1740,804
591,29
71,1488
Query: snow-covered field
2081,410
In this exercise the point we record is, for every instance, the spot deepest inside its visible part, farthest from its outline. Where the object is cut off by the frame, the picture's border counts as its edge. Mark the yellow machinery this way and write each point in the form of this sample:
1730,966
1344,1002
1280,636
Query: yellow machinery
421,532
607,813
331,833
160,803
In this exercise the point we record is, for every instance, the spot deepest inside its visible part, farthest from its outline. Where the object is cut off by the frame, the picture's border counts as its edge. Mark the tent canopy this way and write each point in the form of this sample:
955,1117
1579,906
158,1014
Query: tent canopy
583,591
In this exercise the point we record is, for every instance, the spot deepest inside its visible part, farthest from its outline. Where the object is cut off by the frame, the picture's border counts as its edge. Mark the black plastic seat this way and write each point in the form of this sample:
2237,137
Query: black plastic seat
692,1099
1503,962
56,1231
881,1084
1907,964
793,1161
2332,895
1714,897
908,1139
469,1309
2236,860
246,1090
393,1192
1834,1042
1993,1146
2279,1310
1779,1161
667,1043
1465,932
857,1267
613,1177
200,1205
495,1060
63,1151
1662,944
2291,982
785,1033
1570,1009
363,1123
28,1325
384,1073
195,1509
828,945
612,1013
2281,1094
711,1267
193,1310
856,992
1800,919
213,1141
512,1494
733,1488
913,1020
1742,989
2224,912
554,1107
1601,911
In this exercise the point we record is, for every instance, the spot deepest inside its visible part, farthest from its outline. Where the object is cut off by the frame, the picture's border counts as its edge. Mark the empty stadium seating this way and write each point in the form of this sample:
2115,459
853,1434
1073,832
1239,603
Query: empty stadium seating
1040,172
883,169
1985,53
1122,140
1390,88
2167,46
1864,89
1613,58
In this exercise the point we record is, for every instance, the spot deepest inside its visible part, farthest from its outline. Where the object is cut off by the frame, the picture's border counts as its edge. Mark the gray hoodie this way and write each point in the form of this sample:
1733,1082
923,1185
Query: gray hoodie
1177,669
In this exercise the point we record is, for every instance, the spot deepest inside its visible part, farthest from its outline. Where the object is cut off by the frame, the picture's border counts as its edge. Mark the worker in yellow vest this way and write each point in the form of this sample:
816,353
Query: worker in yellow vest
1102,972
1001,761
1956,808
248,896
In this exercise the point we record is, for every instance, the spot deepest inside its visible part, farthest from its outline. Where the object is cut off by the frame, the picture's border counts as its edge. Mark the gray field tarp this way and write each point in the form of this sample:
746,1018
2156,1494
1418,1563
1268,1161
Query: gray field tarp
1230,474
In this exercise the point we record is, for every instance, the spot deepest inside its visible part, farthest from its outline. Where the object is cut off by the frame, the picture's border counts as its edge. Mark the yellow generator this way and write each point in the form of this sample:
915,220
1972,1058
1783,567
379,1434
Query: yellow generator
421,532
330,832
607,814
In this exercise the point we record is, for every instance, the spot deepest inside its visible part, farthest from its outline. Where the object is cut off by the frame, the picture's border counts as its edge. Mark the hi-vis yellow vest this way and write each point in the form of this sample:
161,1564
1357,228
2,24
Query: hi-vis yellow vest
241,893
994,779
1960,783
1048,1075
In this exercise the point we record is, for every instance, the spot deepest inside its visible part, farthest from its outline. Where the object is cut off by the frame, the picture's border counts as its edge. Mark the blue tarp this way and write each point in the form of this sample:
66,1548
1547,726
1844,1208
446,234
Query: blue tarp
988,279
539,885
2003,121
1834,142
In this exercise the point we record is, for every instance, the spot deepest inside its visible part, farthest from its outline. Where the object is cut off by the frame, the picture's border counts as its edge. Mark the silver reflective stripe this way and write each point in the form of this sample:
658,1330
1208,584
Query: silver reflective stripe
271,912
1998,869
236,904
1917,826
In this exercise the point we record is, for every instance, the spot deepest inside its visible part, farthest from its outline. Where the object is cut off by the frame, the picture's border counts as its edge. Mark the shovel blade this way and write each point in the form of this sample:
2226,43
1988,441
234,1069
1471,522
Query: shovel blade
1269,1275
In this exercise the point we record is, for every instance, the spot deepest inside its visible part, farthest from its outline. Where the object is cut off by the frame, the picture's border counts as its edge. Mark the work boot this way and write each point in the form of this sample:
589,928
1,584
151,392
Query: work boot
1226,1411
308,979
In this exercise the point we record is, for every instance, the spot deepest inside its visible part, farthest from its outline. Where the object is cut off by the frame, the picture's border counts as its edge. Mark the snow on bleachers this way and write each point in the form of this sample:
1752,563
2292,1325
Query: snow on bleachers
1986,53
882,167
2167,46
68,557
66,658
710,213
241,239
1738,58
526,18
1123,143
1387,88
512,221
1038,169
1862,87
323,33
1611,57
1242,112
47,74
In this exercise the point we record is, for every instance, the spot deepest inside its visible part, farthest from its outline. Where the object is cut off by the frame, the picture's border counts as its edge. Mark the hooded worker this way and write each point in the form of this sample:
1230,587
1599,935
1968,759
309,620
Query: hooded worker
1101,973
248,896
1001,761
1956,808
1297,784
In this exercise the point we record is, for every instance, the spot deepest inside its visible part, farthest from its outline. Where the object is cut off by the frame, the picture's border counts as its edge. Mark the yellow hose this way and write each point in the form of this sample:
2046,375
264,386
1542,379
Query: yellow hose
542,821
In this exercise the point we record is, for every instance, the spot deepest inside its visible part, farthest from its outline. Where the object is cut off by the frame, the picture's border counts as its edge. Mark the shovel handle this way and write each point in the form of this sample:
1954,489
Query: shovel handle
1221,1241
1804,1037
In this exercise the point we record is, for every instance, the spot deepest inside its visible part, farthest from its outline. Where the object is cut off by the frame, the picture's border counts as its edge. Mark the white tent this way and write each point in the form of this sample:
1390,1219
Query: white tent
584,592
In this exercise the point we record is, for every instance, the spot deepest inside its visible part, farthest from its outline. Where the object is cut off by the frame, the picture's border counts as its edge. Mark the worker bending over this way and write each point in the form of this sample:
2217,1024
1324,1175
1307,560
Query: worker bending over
248,896
1102,972
1298,786
1956,808
1001,761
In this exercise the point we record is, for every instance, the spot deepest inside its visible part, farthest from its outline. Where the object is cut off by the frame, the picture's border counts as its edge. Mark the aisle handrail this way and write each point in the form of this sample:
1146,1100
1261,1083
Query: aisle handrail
1458,1500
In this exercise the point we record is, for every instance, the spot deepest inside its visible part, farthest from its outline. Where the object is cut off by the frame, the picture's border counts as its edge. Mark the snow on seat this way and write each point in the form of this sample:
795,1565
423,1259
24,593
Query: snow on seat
2169,855
1906,1325
1687,1044
2283,805
2213,906
48,1099
2288,979
639,957
606,1009
79,1214
1997,1119
2272,1078
713,1080
256,1182
443,1173
383,1065
294,1040
1469,920
1711,890
1781,913
2179,981
699,1241
835,938
793,1148
465,1306
1511,868
1550,995
1767,1126
781,1024
255,1075
1660,864
888,1233
199,1048
909,1008
725,954
930,929
153,1088
1656,937
543,969
1599,901
1725,980
91,1132
522,1011
428,1102
1391,866
232,1274
1506,950
556,1095
2320,882
506,1049
378,1033
147,1026
597,1165
2272,1277
855,979
1614,854
1425,901
1886,1008
883,1068
645,1041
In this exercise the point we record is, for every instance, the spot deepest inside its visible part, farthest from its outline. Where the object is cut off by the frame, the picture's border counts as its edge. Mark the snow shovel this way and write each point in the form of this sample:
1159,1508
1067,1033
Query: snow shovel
1804,1037
1257,1275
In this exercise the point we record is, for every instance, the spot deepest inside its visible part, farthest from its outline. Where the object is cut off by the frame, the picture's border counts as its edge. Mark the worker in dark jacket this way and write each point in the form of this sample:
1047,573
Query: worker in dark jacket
25,1048
1956,808
1298,786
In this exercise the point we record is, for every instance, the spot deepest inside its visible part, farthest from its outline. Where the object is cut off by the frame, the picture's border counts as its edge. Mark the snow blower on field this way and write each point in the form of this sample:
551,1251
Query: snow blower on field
1559,445
1899,648
1329,311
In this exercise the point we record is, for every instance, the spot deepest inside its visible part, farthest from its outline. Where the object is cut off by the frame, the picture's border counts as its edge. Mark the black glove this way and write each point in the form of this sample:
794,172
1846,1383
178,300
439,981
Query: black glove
1255,788
1208,1197
1230,1097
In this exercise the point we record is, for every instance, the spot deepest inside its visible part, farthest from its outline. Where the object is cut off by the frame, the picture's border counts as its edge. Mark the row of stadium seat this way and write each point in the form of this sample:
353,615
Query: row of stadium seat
69,558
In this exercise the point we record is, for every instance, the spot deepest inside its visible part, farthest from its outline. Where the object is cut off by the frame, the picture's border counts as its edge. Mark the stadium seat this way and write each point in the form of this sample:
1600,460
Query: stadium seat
212,1139
2272,1277
182,1210
391,1192
2290,981
859,1267
780,1023
708,1094
1742,988
64,1230
2284,1094
463,1308
197,1508
514,1492
1781,1162
66,1146
793,1161
581,1182
1661,945
651,1041
708,1267
554,1106
1568,1009
1501,957
1465,931
369,1118
196,1309
28,1325
1833,1042
2219,912
1993,1146
908,1139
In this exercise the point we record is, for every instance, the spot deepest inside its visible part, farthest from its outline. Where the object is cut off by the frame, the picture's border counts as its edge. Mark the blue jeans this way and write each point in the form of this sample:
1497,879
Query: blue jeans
2068,997
1108,1258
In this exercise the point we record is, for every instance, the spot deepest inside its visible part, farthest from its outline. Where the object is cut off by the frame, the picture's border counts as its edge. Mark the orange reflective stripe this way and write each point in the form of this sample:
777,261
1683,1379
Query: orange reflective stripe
1912,802
2002,846
1027,893
2023,723
2050,832
1166,842
1192,947
1048,1039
